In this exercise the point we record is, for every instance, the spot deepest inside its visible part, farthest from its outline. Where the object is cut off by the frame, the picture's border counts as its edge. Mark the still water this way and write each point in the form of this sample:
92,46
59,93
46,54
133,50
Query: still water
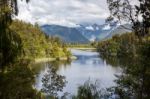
87,66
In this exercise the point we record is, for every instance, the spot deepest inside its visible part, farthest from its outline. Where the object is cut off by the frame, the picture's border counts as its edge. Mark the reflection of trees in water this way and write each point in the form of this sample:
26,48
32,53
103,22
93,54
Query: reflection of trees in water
37,67
58,64
134,82
111,60
17,83
84,60
52,82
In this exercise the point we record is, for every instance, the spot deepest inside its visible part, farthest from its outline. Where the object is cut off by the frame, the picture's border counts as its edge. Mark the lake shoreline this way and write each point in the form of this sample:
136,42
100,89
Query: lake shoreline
83,48
45,59
88,65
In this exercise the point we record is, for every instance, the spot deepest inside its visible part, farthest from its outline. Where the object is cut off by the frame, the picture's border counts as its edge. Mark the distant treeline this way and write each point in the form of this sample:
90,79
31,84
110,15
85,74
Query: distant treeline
80,45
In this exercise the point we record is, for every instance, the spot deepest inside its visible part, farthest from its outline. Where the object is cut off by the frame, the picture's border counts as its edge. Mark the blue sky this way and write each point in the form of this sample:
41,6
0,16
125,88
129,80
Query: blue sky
64,12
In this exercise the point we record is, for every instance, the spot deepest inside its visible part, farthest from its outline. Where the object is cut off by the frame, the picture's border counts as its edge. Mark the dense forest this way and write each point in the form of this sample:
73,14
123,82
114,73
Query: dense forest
36,44
124,45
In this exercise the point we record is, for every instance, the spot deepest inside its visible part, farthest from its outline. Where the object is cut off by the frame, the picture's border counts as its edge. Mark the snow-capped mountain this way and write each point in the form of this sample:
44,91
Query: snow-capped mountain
121,29
85,33
95,31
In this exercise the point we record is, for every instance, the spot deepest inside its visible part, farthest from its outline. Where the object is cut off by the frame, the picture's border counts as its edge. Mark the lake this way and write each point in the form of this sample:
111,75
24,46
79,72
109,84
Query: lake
88,66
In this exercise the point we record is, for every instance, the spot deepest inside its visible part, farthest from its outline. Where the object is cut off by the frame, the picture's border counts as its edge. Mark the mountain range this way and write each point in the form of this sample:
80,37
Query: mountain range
85,33
67,34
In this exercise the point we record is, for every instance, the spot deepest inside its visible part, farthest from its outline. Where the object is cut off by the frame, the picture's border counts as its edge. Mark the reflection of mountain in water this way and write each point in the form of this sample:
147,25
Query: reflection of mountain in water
89,60
88,65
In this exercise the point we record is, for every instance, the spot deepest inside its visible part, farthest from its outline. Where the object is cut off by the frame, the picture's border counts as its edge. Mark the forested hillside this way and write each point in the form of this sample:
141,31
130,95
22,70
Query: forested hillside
124,45
36,44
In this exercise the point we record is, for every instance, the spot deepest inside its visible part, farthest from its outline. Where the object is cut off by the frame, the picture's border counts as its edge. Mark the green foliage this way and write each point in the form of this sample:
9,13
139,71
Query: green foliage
124,45
138,14
94,44
135,79
10,44
17,83
132,54
36,44
52,83
90,91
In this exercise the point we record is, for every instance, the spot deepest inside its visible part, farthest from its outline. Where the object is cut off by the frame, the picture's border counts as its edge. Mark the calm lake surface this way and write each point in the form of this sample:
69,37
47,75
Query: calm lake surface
87,66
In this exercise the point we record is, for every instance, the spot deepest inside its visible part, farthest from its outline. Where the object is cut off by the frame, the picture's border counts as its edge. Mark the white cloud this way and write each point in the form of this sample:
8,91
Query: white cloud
63,12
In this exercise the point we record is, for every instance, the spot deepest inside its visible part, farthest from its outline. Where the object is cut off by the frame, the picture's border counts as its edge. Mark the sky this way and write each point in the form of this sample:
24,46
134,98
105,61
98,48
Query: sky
69,13
63,12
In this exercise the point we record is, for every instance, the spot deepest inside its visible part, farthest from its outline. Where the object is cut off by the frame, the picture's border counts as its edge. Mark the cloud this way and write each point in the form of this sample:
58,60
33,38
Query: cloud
63,12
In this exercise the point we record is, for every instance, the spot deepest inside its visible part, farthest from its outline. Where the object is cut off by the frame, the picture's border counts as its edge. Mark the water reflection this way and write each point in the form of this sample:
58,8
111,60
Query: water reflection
134,82
52,83
17,83
48,80
88,65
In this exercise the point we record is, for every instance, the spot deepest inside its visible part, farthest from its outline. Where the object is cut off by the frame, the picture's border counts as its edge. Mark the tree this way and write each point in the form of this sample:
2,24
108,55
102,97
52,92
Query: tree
17,83
52,83
138,15
10,43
